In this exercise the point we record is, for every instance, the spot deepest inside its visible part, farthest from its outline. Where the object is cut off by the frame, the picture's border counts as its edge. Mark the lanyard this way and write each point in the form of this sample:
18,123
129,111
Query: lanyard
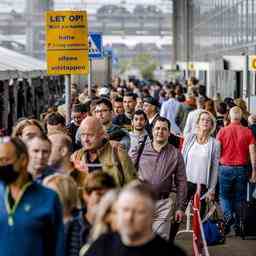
12,210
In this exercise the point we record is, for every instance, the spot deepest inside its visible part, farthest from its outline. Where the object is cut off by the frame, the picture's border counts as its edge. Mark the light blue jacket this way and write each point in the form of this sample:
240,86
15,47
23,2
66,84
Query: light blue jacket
213,159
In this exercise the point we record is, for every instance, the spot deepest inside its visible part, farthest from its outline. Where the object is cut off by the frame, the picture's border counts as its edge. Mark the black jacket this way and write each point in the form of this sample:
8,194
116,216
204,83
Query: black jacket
76,235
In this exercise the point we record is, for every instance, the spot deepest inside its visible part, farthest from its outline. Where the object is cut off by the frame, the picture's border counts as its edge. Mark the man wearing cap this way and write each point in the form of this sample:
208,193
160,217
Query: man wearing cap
150,107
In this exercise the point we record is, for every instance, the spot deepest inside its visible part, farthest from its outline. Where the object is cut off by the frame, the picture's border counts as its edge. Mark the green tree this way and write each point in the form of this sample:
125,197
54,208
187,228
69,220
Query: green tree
123,66
146,64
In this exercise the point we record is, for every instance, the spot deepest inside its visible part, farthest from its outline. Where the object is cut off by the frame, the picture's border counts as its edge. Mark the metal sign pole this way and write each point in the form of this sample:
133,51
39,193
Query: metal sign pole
90,79
68,98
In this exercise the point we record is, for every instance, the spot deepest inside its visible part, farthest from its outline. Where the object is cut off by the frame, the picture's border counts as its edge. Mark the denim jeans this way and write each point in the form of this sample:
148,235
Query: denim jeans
232,188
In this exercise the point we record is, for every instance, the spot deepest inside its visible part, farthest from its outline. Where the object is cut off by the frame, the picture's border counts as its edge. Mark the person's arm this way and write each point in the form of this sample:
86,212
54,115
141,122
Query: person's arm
163,111
181,184
252,151
188,126
78,137
214,170
129,170
126,141
179,116
219,139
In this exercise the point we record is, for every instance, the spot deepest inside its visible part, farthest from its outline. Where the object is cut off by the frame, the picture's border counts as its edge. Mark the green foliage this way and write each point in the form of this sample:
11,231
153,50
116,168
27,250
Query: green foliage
146,64
123,66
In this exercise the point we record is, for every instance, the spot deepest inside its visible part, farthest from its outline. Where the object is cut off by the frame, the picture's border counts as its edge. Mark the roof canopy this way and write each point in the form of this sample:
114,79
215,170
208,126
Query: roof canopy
17,65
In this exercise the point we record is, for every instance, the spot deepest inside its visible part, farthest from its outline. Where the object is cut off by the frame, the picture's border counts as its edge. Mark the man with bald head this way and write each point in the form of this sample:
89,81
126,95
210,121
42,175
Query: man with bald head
30,215
237,147
98,153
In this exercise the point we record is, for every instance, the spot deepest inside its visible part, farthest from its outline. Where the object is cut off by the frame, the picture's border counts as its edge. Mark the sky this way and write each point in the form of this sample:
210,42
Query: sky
131,41
19,5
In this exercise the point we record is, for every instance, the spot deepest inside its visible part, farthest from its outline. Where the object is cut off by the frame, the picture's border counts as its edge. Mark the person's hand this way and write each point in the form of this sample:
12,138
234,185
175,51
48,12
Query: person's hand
116,145
179,215
253,177
210,196
81,166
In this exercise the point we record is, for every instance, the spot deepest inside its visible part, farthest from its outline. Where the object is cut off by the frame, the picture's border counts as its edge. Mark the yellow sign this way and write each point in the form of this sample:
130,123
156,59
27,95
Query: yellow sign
67,42
253,63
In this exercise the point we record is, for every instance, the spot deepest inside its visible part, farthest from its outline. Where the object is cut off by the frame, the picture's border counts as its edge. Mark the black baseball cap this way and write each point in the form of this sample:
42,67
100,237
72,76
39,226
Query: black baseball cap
151,100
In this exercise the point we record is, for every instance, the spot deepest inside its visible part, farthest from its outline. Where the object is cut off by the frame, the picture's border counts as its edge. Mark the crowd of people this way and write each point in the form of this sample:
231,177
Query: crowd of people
117,179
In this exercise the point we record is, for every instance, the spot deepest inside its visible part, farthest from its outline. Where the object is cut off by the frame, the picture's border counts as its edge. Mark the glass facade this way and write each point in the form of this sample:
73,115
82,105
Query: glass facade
221,26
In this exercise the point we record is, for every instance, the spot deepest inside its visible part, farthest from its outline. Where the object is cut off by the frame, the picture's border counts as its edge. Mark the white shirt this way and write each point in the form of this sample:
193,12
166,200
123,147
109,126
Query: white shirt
197,163
169,110
150,120
135,141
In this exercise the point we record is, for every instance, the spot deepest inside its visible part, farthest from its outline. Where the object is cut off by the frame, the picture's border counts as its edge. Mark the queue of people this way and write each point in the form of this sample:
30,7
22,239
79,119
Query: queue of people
118,178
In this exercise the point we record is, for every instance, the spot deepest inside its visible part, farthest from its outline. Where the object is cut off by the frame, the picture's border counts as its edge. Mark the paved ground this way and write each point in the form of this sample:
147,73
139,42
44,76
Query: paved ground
234,246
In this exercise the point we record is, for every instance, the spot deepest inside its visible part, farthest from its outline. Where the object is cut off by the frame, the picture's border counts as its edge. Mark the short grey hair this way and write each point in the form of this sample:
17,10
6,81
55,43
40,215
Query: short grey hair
235,113
140,189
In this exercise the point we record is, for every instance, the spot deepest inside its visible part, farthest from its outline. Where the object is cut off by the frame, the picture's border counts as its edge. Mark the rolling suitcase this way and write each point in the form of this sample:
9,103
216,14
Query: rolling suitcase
248,213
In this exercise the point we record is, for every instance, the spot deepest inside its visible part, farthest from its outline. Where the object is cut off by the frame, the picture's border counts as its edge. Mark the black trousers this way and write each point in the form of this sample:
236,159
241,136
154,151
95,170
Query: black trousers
192,188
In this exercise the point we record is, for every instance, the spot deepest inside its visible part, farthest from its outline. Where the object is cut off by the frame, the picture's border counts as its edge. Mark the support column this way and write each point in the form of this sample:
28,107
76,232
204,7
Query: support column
174,33
182,35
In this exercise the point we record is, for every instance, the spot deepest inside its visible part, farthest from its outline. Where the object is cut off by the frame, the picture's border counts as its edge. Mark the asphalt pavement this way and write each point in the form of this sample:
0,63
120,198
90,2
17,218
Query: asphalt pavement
234,246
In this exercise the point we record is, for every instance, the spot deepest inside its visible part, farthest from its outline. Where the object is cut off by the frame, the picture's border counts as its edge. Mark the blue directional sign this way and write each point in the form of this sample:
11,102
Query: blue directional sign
95,45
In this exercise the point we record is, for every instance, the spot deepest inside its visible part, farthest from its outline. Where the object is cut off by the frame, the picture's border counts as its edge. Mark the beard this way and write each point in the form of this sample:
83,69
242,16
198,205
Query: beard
139,129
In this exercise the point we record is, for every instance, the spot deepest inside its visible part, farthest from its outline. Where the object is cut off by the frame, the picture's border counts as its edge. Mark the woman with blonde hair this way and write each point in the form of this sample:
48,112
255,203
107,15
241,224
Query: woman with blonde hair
201,154
67,191
242,105
105,219
26,128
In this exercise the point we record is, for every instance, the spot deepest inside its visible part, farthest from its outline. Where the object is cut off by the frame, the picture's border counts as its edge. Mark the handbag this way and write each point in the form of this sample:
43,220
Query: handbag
213,226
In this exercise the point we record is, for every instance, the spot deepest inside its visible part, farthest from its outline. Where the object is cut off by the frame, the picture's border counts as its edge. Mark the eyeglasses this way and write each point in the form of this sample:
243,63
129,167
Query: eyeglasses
5,139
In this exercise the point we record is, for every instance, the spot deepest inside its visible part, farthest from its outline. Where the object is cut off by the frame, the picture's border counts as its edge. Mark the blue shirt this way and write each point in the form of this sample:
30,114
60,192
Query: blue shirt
45,173
169,110
36,225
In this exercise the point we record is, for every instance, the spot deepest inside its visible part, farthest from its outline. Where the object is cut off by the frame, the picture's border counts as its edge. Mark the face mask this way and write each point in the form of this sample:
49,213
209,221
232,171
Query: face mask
7,174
